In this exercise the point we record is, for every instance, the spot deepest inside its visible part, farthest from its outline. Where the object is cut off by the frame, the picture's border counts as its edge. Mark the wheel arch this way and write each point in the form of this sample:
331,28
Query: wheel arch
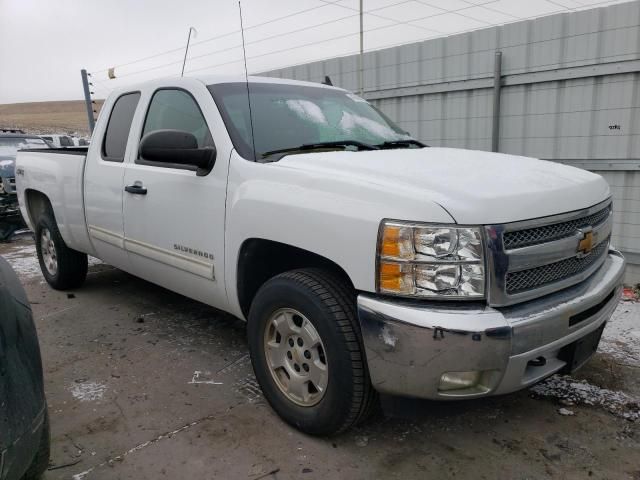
36,204
260,260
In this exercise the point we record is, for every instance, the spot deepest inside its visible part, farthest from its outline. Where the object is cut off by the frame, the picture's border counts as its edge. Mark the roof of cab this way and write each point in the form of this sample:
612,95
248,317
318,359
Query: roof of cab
217,79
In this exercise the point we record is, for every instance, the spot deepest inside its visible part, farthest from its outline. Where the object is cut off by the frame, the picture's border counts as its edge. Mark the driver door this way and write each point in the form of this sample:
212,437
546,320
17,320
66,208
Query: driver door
173,219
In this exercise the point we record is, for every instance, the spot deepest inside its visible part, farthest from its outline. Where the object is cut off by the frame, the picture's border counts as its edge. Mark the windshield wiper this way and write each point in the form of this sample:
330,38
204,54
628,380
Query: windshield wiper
401,144
320,145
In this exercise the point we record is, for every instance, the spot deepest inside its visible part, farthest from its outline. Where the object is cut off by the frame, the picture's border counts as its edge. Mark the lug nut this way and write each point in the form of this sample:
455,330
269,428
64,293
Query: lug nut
307,354
289,356
291,342
306,367
300,342
296,367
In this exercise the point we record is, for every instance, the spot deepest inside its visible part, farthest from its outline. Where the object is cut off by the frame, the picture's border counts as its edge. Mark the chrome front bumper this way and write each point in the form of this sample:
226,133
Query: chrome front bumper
411,345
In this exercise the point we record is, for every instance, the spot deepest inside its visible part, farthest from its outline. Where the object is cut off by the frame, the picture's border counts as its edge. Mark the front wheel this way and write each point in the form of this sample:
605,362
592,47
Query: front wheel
307,351
62,267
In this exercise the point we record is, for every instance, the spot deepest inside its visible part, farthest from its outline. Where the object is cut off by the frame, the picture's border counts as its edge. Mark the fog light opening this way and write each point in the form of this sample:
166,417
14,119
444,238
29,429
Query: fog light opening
467,383
459,380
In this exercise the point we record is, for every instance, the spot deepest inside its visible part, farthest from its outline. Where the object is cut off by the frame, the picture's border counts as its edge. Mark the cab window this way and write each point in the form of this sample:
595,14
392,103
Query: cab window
115,138
177,110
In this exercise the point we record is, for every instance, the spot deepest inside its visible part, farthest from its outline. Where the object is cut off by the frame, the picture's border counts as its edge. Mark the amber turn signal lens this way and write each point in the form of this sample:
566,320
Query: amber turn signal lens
396,278
391,242
390,276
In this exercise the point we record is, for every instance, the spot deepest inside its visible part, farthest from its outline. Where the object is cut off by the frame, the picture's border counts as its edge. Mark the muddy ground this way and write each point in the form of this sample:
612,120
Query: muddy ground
145,384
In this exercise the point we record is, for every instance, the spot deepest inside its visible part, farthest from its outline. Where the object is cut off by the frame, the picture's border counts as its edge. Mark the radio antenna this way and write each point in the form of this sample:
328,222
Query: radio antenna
246,77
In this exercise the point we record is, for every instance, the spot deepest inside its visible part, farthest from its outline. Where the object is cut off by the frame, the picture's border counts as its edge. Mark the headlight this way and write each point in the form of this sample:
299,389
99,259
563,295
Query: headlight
430,260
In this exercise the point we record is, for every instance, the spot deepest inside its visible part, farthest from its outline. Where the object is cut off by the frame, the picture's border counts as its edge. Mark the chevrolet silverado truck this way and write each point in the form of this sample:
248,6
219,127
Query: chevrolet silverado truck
363,261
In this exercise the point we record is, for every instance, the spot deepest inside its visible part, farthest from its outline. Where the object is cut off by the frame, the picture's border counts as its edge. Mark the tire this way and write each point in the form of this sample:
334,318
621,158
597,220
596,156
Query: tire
62,267
338,392
40,462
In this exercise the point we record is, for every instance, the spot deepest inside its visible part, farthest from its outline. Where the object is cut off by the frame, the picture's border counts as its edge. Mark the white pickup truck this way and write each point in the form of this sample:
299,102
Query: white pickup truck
362,260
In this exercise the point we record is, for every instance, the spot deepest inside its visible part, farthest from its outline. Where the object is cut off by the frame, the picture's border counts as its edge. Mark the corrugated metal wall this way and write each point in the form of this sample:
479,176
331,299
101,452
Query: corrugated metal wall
570,93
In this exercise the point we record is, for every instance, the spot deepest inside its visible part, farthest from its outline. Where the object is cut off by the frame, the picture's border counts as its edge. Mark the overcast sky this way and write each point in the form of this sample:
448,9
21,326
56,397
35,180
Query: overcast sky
45,43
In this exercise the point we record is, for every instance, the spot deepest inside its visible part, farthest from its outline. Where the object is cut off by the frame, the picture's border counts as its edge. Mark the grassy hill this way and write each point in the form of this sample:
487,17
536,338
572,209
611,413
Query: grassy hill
47,117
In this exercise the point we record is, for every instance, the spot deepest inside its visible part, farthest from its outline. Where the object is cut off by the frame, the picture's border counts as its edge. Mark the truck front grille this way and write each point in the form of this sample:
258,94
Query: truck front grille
553,272
547,233
532,258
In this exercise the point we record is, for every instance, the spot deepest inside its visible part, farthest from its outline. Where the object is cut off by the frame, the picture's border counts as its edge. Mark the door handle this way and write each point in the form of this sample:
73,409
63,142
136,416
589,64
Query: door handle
135,189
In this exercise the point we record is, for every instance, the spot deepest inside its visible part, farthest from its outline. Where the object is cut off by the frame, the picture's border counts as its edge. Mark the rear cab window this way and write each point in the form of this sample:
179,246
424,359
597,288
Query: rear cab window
115,139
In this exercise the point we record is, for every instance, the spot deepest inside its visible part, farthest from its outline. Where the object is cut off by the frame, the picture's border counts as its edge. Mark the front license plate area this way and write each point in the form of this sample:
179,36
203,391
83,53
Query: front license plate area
576,354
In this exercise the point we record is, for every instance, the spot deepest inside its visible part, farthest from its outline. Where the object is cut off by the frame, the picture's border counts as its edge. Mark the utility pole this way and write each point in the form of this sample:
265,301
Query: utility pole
87,99
361,57
186,50
497,84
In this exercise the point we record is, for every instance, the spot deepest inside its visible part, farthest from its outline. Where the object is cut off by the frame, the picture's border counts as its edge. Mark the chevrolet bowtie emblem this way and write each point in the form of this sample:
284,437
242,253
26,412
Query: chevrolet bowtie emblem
586,244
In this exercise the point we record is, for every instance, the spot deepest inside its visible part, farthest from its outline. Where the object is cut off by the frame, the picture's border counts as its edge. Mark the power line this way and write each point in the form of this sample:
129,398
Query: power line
303,29
324,3
399,22
340,37
328,3
217,37
271,37
472,52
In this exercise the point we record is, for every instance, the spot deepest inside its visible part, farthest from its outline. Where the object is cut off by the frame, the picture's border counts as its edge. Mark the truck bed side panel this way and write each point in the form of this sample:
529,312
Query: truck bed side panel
59,176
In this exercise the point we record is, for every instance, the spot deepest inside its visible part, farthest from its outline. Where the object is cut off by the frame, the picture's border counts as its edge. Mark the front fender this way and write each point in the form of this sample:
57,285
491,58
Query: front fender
333,217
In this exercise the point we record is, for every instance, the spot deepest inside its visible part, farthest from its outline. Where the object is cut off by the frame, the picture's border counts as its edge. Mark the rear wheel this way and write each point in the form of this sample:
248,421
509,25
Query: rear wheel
62,267
307,352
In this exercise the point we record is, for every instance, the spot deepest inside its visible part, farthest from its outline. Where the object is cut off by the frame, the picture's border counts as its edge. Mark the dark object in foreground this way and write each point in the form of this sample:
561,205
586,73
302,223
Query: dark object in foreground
9,226
24,431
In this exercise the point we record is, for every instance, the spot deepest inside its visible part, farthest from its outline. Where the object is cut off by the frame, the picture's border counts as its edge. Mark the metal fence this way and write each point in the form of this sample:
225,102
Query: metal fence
570,92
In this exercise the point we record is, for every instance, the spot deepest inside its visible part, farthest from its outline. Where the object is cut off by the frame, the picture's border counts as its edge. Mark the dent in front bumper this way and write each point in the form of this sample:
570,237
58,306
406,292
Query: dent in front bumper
410,345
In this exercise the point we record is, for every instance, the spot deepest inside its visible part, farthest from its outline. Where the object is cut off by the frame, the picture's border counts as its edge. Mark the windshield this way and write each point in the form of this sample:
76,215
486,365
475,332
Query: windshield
288,116
10,145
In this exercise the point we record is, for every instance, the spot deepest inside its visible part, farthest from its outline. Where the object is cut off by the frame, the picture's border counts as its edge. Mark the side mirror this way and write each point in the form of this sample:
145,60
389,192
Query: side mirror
178,148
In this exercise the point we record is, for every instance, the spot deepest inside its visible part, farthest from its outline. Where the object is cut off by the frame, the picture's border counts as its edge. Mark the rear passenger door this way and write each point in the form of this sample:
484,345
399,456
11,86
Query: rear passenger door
173,219
104,174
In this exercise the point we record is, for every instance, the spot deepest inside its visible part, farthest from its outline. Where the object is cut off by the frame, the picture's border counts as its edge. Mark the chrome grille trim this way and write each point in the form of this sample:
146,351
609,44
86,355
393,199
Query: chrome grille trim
554,231
505,265
552,272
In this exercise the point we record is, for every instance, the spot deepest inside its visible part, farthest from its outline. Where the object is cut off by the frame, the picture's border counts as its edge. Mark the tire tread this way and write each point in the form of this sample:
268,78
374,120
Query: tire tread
72,265
340,299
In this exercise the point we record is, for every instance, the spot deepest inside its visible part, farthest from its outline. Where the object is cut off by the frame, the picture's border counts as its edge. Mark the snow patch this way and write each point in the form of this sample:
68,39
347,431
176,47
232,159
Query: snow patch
352,122
88,391
621,336
198,379
308,110
578,392
387,336
24,261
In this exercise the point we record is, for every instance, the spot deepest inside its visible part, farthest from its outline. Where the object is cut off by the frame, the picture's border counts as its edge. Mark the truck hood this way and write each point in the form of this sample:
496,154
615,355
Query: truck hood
474,187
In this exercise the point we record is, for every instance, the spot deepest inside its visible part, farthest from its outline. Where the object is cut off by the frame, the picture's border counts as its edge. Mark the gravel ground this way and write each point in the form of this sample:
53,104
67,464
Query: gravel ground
146,384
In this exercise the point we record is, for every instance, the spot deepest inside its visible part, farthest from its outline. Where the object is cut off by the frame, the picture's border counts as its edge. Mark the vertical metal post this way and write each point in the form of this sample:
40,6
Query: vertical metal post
497,83
360,58
87,99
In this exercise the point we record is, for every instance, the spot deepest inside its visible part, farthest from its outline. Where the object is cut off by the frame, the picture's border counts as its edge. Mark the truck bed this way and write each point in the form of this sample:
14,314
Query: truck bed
57,173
